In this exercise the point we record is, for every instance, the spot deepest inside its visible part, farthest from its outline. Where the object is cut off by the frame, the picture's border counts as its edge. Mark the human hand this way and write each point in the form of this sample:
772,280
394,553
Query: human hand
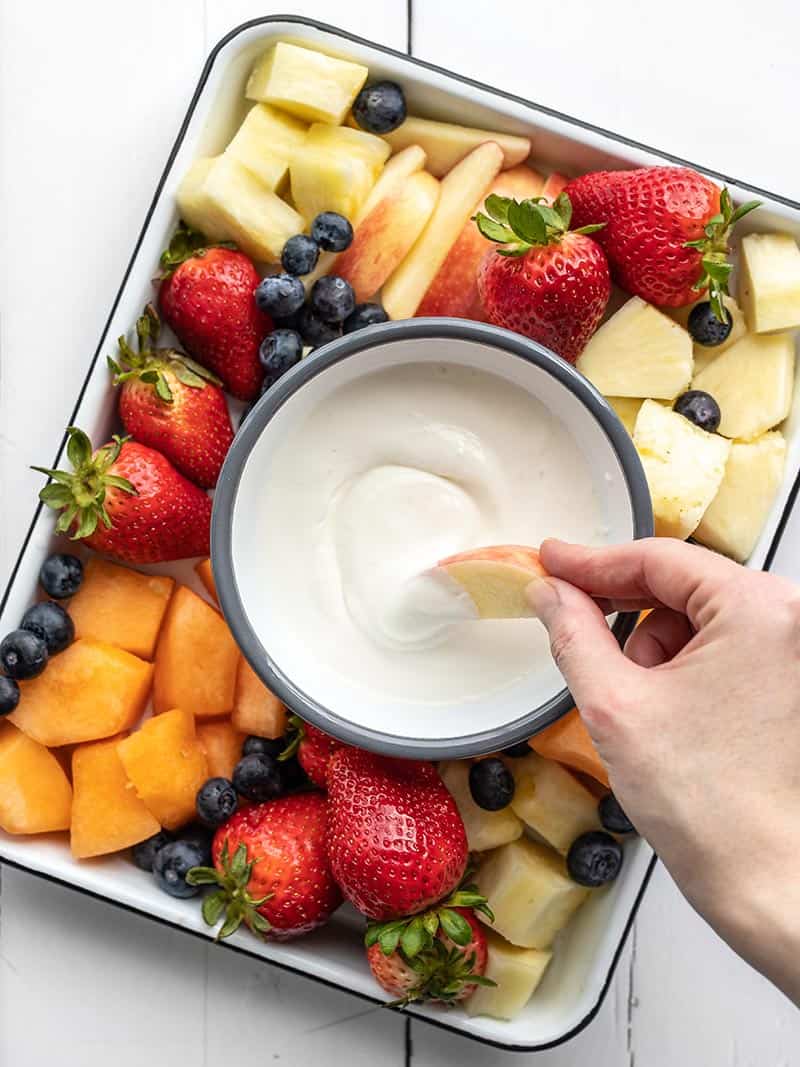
698,723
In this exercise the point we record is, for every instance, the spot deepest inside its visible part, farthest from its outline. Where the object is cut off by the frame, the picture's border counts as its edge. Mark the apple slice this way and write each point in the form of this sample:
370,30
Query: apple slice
458,195
387,234
495,579
553,186
447,144
454,290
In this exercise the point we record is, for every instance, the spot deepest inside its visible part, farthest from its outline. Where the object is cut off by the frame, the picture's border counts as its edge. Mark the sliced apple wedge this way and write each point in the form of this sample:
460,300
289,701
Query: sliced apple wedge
458,195
554,185
447,144
384,238
454,290
495,578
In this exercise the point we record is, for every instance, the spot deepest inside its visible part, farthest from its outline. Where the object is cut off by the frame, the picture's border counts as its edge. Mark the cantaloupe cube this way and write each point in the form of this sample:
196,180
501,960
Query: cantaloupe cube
206,576
222,744
256,710
567,740
107,815
35,794
167,765
196,659
89,691
121,606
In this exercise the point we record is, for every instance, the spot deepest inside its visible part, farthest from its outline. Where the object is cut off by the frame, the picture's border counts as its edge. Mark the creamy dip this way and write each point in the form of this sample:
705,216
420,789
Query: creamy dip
387,475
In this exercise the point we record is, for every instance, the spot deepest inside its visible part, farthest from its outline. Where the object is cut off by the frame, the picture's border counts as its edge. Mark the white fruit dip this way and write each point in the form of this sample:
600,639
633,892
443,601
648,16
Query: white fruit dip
387,475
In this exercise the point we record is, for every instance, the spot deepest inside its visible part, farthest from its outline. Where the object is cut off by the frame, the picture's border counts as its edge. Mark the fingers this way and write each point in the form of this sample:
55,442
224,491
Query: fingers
585,650
651,571
659,638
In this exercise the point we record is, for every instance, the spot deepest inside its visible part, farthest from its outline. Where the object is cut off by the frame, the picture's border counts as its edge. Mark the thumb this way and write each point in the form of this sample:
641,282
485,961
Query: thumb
583,647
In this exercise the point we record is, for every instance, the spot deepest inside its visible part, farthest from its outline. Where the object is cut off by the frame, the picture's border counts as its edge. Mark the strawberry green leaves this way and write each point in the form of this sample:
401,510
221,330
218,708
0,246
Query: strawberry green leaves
231,898
185,244
419,932
520,225
715,267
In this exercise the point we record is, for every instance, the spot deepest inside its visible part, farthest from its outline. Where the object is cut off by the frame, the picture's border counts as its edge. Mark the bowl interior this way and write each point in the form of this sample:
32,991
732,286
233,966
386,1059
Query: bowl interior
276,646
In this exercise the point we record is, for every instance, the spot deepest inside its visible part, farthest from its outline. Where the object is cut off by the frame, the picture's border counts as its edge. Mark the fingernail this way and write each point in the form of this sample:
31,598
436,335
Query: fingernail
543,597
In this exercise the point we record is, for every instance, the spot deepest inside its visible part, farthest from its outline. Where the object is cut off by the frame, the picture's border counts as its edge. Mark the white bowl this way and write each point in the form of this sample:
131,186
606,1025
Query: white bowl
275,646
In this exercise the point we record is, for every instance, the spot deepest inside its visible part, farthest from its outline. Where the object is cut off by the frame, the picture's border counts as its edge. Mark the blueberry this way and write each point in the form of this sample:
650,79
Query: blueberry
202,837
280,294
9,695
292,773
706,329
23,654
287,322
50,622
518,751
173,862
594,859
216,801
332,298
380,107
700,408
258,777
279,351
332,231
145,852
246,412
314,331
613,817
300,254
491,784
364,315
263,745
61,575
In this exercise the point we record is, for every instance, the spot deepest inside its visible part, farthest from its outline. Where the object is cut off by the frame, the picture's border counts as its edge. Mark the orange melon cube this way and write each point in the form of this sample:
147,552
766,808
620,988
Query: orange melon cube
167,765
196,659
222,744
206,576
121,606
89,691
256,709
107,815
568,742
35,794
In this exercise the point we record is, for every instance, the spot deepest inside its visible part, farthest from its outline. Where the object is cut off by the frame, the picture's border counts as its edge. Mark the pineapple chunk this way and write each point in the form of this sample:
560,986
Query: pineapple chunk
485,829
265,142
373,150
704,355
325,180
638,352
684,466
626,408
529,892
552,801
753,383
305,83
516,973
447,144
770,286
195,206
253,216
736,516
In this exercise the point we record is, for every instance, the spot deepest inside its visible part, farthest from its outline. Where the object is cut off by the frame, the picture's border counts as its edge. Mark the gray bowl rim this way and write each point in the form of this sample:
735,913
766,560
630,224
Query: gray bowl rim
225,497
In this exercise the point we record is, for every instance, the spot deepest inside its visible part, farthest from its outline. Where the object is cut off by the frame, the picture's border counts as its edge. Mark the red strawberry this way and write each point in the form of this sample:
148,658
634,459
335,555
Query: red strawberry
314,749
395,839
666,233
207,298
128,501
446,967
547,282
171,403
271,869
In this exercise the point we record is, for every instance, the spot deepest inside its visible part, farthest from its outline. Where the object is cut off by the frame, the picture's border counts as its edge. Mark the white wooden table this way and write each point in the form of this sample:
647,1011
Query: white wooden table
92,95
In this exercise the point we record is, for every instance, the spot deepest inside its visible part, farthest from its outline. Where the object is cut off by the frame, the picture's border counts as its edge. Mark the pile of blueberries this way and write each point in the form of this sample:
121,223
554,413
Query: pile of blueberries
331,309
45,630
594,858
258,776
707,330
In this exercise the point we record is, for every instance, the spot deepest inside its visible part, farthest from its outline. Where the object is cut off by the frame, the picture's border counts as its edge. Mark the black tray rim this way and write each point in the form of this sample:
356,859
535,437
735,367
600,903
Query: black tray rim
327,28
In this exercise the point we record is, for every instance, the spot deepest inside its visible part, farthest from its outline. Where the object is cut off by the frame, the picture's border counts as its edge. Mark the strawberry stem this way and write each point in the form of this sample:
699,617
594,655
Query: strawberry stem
714,249
186,244
520,225
232,897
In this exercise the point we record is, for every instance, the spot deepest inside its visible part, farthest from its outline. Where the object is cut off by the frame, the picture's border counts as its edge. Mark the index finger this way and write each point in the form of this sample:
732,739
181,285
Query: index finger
649,572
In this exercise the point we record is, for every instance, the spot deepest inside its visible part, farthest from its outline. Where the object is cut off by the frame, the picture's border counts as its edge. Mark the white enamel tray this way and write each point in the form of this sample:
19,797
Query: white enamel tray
586,955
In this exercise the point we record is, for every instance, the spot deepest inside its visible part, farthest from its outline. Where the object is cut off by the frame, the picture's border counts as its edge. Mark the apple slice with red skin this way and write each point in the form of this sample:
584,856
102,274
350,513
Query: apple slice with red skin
495,578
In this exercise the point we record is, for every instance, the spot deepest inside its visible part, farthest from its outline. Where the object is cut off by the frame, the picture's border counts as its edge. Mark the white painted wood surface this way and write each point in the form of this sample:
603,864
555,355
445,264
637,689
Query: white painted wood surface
91,94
